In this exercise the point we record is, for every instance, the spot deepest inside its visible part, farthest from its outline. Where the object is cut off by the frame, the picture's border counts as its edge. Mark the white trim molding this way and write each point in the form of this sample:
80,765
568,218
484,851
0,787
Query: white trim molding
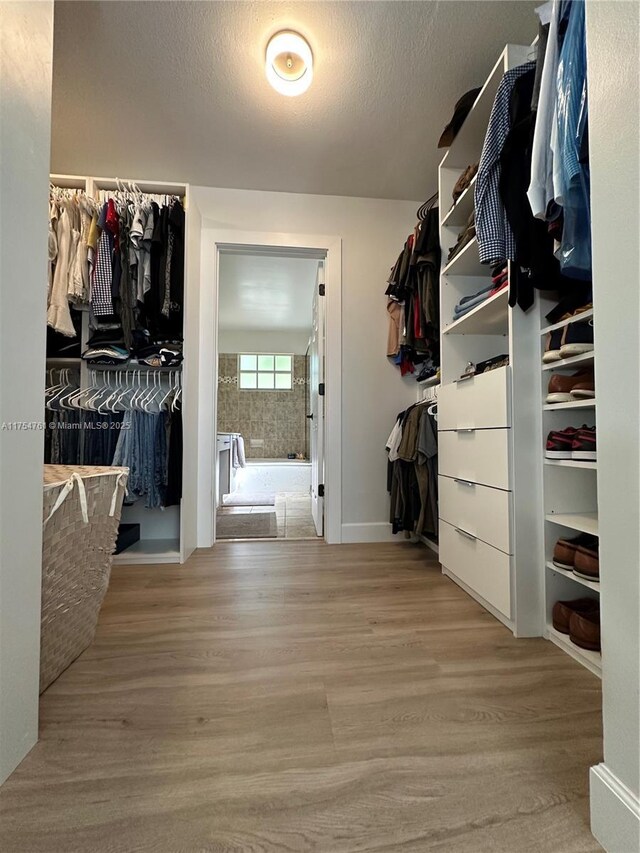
615,812
329,248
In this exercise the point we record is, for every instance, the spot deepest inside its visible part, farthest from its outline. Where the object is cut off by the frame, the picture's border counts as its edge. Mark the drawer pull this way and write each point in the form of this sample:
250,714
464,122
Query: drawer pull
464,482
464,533
466,429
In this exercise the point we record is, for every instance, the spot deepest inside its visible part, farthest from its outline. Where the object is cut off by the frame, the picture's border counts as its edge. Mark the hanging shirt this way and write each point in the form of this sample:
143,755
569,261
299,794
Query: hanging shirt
101,297
540,191
495,238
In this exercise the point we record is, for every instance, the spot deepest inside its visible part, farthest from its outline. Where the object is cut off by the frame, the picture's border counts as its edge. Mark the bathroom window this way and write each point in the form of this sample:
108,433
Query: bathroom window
273,372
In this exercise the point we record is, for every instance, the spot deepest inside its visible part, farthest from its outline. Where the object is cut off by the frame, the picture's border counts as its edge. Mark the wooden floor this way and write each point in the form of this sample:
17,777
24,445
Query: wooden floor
294,696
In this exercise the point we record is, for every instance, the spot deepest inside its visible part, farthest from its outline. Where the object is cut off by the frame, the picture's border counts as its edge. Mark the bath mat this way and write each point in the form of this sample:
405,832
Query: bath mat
249,525
249,499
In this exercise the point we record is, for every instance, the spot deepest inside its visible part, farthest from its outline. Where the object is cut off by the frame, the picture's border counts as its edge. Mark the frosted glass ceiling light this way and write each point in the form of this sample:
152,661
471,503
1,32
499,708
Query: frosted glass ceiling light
289,63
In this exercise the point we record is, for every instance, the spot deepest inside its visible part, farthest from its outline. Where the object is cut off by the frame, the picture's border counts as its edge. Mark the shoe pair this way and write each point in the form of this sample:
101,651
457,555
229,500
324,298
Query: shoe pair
580,619
572,443
574,339
578,386
579,555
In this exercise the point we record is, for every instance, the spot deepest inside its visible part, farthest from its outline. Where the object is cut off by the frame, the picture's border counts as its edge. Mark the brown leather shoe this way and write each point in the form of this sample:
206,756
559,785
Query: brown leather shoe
564,552
563,610
587,563
560,387
584,630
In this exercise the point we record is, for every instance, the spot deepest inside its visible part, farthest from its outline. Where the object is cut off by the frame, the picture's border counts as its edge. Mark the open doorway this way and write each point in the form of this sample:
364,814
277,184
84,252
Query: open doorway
270,414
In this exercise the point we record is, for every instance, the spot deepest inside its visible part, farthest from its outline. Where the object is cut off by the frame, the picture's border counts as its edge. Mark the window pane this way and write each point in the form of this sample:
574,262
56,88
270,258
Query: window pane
265,362
248,362
283,381
283,362
247,380
265,380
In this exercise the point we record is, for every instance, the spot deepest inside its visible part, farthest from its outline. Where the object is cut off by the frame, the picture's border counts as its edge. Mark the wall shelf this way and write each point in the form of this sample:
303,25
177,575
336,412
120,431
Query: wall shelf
579,360
467,262
585,315
576,404
591,660
489,318
569,574
459,214
571,463
585,522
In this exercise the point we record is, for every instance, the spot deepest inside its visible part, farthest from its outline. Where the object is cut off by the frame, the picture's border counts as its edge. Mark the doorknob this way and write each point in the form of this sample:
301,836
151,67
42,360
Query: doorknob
309,417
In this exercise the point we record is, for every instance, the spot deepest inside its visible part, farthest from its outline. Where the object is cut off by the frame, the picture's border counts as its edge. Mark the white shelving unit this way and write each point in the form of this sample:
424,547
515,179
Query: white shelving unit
166,535
570,495
490,540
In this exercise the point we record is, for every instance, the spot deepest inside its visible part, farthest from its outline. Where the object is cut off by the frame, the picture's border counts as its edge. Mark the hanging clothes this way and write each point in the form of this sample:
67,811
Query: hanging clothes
496,242
412,478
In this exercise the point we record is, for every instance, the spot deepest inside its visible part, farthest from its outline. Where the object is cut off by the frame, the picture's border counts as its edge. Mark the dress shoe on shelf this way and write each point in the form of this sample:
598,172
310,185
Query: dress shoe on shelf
561,387
563,610
552,346
584,390
564,552
584,630
578,339
587,562
560,443
583,447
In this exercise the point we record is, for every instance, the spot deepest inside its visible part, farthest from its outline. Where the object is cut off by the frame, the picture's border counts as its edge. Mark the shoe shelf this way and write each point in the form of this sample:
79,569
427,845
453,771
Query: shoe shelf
575,404
571,463
576,318
489,318
572,576
459,214
583,358
584,522
592,660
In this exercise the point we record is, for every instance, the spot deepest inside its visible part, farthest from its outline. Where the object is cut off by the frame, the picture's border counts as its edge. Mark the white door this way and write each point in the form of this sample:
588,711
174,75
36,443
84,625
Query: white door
316,415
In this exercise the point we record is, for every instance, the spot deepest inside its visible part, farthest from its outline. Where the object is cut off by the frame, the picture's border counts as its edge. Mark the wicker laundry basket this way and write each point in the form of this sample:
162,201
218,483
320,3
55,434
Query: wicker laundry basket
82,506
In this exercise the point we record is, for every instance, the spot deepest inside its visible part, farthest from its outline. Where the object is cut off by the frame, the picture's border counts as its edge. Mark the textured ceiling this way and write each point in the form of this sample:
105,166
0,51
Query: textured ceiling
258,292
176,91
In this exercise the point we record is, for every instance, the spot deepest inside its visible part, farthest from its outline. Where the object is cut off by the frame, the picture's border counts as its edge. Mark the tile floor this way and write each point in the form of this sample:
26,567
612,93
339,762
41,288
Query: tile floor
293,513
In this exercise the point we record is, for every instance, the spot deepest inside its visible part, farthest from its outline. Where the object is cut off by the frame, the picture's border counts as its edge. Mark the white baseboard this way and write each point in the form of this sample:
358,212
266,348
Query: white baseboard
376,531
615,812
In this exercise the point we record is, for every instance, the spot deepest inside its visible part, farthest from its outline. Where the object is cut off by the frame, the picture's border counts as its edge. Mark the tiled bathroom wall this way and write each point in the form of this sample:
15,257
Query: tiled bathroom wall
275,418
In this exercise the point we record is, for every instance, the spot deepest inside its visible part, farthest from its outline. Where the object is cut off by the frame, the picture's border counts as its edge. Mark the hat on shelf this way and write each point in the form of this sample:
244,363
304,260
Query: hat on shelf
460,112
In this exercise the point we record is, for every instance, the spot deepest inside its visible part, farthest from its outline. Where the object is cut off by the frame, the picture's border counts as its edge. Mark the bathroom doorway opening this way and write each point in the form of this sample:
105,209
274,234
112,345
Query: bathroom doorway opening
269,456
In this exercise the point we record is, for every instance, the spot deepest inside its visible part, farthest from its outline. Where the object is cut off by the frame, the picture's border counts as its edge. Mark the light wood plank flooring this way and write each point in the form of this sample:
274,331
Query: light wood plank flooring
294,696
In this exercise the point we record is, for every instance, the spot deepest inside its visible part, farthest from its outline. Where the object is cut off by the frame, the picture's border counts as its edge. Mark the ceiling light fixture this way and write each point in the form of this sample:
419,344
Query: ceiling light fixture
289,63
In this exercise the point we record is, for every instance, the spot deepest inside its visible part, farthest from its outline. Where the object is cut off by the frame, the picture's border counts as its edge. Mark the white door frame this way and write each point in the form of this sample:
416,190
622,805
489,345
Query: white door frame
213,241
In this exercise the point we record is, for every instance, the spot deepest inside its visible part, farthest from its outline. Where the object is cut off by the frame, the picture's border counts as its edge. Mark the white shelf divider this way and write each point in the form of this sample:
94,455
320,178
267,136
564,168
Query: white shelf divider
578,360
571,463
585,522
575,404
585,315
593,585
489,318
592,660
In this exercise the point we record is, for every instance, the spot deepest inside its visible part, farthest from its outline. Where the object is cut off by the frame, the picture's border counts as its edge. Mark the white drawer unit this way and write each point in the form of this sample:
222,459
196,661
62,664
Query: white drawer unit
477,455
481,402
484,569
482,511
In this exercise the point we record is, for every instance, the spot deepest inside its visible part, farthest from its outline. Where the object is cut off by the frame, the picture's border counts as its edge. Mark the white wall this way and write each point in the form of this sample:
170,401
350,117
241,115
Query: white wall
612,41
373,232
26,51
264,340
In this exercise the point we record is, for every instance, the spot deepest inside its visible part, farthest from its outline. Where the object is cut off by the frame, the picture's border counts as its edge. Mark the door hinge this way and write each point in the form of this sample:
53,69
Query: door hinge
321,389
321,490
321,289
